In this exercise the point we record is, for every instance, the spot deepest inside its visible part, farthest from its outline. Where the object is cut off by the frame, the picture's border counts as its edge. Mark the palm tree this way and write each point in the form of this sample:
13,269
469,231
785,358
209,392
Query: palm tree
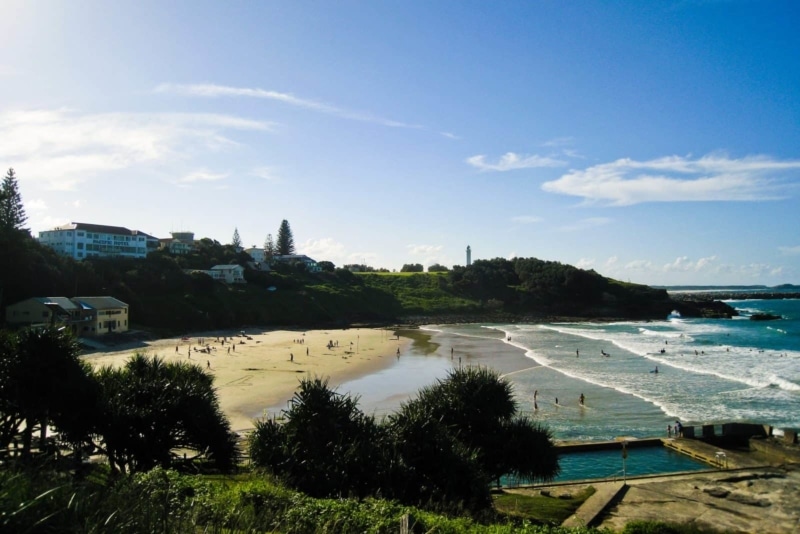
326,446
51,385
478,407
152,408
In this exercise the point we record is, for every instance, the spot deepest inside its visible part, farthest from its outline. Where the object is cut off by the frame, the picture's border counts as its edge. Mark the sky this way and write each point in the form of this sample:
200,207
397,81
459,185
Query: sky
654,142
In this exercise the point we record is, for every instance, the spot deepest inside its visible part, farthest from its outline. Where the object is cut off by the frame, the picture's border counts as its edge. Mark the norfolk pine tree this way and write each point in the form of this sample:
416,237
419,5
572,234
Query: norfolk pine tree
12,213
285,239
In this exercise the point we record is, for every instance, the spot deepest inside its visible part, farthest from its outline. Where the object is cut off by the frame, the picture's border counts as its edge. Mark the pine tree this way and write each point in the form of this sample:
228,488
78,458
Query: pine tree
236,241
285,239
12,213
269,249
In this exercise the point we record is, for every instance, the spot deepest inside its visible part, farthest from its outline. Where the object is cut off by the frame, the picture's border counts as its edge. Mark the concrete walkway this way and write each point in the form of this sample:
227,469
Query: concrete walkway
590,510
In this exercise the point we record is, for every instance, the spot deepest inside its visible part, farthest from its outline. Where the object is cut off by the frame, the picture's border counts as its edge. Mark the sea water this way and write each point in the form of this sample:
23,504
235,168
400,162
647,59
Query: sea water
709,371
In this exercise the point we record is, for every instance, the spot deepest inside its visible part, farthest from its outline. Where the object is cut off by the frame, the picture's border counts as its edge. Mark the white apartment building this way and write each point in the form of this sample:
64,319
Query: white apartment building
82,240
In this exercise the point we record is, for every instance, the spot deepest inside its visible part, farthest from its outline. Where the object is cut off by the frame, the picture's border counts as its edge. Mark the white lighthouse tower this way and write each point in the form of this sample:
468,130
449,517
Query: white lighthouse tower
469,256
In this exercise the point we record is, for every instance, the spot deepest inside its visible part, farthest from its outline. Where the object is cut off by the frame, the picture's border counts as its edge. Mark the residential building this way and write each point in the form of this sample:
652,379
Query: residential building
230,274
179,243
311,265
110,315
83,316
82,240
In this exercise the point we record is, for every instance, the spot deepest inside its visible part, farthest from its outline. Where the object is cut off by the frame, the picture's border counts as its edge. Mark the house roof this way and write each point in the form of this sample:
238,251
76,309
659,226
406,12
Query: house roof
100,303
63,302
226,267
102,228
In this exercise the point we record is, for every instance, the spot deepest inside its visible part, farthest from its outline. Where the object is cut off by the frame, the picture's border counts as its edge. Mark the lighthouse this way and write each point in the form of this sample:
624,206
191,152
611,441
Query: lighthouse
469,256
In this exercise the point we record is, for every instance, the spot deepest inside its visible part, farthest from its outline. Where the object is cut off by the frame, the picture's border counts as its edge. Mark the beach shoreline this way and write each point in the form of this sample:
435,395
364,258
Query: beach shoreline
257,369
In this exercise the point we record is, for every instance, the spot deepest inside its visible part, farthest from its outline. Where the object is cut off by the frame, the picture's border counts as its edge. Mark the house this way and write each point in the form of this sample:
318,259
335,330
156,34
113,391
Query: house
230,274
311,265
109,315
179,243
83,316
83,240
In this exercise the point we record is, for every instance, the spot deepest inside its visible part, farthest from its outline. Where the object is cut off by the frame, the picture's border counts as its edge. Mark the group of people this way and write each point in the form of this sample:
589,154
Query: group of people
677,430
581,400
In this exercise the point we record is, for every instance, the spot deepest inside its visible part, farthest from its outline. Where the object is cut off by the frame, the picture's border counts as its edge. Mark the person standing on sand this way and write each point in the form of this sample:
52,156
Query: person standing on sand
291,357
208,364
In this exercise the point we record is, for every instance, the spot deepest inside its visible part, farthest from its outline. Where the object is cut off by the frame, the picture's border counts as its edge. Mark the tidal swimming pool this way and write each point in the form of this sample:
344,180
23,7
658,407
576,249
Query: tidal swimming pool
607,463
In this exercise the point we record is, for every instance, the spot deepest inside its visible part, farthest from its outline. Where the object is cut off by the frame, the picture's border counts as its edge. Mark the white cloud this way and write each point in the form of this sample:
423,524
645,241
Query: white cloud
683,263
610,262
713,177
559,142
267,173
62,148
585,263
214,91
526,219
202,176
511,161
790,251
36,204
324,249
423,250
639,265
585,224
449,135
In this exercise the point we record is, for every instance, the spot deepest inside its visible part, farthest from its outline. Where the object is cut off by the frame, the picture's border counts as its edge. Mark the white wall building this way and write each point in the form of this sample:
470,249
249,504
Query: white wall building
82,240
230,274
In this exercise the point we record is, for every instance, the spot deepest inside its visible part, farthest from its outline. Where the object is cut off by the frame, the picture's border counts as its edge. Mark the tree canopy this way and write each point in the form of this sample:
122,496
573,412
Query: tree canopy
285,244
12,212
442,448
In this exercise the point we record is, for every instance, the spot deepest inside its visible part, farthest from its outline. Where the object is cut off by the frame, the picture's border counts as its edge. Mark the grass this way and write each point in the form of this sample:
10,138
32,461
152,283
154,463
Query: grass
542,509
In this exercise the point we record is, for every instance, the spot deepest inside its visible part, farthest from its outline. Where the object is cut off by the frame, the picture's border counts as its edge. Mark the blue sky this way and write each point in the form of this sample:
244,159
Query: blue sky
655,142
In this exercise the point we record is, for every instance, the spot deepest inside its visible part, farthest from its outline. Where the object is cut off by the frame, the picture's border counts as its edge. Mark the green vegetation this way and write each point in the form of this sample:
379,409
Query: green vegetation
540,508
441,450
170,294
165,501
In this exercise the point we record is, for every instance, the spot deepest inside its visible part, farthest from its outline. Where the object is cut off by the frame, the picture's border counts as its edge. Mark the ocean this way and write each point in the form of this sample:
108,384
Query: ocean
710,371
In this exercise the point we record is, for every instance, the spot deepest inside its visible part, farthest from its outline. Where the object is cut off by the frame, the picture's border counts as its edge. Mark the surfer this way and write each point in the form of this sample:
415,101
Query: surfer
577,353
655,370
582,399
556,401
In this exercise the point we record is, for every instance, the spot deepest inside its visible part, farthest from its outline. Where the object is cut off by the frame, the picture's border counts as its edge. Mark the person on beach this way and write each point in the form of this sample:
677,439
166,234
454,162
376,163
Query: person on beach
678,429
556,401
669,431
582,399
577,353
208,364
291,357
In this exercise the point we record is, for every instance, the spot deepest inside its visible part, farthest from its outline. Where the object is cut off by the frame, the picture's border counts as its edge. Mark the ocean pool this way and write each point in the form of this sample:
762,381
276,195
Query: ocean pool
607,464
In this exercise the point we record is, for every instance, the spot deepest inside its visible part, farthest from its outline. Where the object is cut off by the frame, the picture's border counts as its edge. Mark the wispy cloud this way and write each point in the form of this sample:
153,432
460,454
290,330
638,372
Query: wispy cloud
511,161
526,219
202,176
266,173
790,251
559,142
449,135
61,148
585,224
422,250
215,91
683,263
713,177
585,263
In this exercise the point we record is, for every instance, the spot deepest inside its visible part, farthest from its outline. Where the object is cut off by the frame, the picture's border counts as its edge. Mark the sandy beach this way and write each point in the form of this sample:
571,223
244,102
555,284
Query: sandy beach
262,368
